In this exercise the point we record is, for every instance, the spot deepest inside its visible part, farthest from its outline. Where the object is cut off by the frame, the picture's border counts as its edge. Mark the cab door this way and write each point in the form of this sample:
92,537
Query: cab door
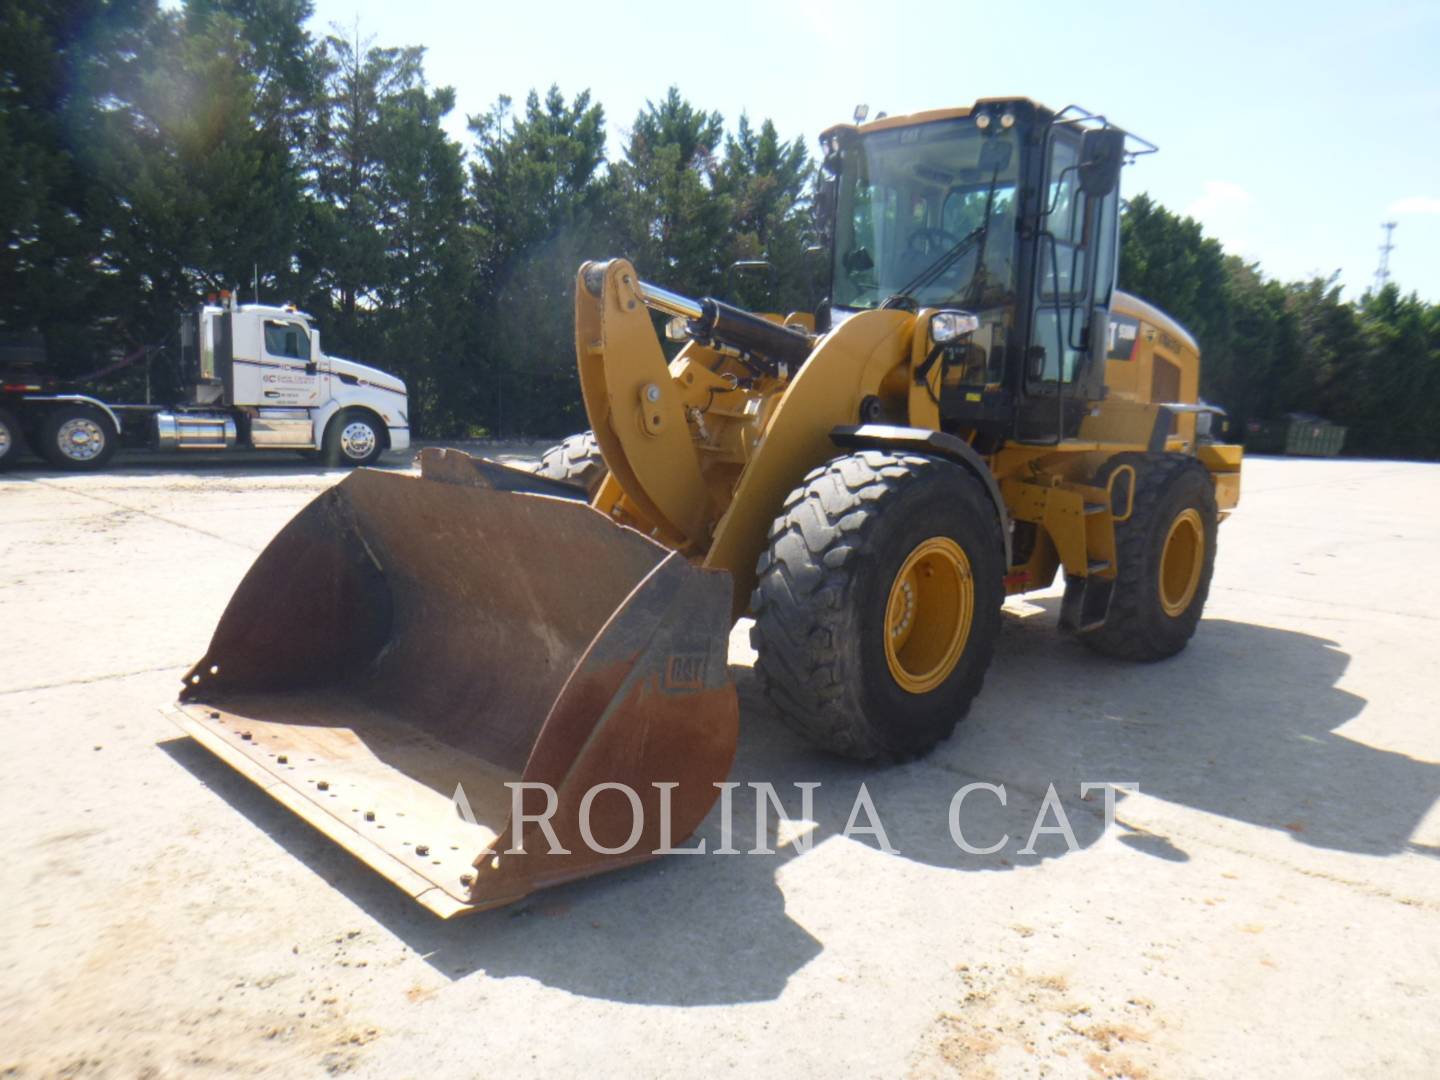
290,376
1074,279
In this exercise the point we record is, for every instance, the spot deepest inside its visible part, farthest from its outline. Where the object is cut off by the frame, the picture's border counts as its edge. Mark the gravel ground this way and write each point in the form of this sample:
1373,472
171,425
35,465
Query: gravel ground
1268,903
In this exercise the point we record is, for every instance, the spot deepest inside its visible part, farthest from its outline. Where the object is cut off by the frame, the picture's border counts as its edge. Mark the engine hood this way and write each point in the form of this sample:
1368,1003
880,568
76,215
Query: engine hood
363,375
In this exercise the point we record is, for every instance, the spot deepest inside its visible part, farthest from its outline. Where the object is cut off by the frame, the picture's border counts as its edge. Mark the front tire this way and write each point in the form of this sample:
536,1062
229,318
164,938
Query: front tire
352,439
1166,557
78,438
878,603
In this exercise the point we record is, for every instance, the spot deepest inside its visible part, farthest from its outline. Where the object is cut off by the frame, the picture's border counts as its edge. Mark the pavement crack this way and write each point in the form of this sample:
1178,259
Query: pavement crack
144,513
181,666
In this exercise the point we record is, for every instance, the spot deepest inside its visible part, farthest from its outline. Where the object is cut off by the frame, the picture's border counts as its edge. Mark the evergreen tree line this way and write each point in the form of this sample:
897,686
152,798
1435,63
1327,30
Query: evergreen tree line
149,156
1270,348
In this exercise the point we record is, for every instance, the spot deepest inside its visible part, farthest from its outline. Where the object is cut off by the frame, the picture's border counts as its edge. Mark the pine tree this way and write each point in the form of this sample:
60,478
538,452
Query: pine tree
541,207
768,184
673,219
62,66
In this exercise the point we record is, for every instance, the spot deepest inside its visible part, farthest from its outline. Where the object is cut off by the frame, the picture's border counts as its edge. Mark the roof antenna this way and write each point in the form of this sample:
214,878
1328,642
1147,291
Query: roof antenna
255,281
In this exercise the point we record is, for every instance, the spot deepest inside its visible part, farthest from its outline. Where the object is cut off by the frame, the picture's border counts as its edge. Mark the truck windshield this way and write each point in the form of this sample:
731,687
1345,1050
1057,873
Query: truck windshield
911,199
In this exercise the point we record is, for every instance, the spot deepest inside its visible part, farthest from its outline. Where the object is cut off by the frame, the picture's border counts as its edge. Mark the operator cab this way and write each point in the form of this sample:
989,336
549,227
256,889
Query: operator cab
1006,212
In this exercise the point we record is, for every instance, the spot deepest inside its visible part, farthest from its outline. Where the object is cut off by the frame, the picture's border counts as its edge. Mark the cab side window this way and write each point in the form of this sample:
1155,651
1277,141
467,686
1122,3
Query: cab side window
1060,286
1064,222
288,340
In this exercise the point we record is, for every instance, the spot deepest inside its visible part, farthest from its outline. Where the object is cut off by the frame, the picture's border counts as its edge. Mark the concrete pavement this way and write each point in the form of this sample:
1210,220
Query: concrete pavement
1268,903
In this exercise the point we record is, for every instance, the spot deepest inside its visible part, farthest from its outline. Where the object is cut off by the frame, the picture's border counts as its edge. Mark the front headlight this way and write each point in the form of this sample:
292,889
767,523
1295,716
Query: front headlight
948,326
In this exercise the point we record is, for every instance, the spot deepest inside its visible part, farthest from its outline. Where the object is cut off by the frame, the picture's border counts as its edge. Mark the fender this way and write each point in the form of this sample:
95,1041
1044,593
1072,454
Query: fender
395,432
82,399
936,444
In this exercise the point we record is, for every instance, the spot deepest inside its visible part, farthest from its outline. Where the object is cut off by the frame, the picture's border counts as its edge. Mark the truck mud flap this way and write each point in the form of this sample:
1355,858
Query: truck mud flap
408,649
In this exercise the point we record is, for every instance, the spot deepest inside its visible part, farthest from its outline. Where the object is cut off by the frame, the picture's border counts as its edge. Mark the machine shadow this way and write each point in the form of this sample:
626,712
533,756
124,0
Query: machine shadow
1242,724
678,931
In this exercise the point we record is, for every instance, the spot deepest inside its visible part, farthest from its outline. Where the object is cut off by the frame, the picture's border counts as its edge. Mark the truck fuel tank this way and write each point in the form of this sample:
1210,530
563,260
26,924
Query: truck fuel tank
193,430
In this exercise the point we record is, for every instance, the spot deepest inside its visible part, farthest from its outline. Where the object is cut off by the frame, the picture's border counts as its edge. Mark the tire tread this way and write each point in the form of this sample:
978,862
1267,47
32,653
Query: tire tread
576,459
1124,633
800,600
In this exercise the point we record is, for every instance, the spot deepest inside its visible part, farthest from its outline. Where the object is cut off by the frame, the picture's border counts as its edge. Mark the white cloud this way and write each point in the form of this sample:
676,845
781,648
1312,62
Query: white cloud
1416,204
1220,195
1226,210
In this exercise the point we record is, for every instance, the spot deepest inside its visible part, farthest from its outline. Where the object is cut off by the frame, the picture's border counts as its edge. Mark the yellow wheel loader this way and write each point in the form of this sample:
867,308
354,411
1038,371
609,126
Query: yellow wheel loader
484,681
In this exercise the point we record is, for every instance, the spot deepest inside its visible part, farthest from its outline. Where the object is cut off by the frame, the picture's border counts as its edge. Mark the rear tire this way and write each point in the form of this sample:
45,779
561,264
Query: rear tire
576,460
12,443
846,662
1166,556
78,438
353,438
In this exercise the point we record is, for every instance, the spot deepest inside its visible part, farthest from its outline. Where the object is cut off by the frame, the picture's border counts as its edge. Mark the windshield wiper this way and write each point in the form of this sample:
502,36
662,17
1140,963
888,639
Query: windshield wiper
949,258
935,269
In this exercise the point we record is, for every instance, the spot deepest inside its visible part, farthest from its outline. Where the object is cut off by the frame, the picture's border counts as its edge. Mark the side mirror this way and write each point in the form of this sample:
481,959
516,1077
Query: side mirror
751,266
1102,153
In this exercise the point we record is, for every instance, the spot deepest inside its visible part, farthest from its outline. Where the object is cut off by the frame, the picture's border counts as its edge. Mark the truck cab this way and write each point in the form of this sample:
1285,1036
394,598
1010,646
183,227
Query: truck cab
250,376
262,369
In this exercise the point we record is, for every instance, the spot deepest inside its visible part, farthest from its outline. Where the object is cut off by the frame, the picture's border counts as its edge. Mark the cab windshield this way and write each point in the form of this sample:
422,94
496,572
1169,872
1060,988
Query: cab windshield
928,211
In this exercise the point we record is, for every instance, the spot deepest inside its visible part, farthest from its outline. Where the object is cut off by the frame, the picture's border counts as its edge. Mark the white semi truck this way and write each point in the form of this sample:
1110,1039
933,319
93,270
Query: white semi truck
252,376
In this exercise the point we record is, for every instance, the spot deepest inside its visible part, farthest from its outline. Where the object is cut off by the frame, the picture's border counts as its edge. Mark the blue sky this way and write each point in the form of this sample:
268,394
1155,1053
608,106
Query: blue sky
1291,130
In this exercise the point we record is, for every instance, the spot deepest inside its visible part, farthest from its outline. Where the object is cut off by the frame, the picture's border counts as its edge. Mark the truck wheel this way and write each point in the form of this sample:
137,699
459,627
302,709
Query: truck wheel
353,438
78,438
577,460
11,443
1166,554
878,603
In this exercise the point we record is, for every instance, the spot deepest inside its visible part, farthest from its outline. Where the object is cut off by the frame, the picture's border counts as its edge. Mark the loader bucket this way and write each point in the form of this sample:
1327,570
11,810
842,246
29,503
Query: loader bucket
407,647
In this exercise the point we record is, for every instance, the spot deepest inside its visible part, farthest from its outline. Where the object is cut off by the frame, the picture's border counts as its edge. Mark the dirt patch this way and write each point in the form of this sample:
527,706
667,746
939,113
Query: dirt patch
1009,1022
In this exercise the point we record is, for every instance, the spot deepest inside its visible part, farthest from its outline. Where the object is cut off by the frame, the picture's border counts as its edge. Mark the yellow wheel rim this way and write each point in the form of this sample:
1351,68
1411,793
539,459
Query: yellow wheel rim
928,615
1181,561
